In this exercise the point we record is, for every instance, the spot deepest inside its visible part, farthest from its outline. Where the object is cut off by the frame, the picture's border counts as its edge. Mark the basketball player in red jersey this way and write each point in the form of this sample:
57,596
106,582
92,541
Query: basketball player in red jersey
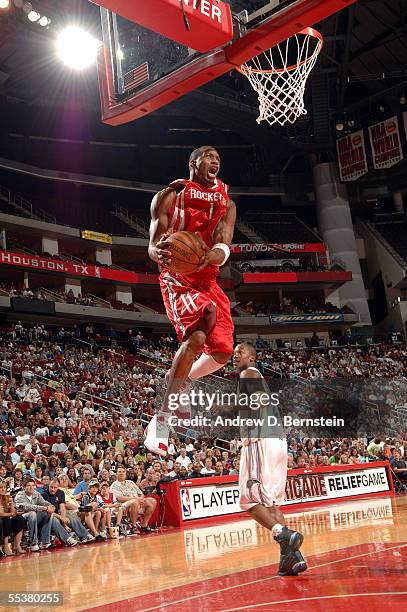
195,304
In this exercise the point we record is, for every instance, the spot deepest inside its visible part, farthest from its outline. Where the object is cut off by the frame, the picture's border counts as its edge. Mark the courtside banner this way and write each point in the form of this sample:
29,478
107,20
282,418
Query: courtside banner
314,485
352,159
310,247
385,143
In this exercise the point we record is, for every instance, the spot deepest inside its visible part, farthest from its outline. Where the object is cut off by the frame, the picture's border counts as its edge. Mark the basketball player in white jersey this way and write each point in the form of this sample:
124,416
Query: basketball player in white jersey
263,466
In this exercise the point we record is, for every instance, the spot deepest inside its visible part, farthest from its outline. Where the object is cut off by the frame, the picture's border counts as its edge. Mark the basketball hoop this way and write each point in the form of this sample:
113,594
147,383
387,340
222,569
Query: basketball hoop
279,83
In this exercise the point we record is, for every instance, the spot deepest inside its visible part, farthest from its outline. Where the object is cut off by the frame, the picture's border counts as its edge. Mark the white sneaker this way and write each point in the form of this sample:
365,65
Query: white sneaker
71,541
88,538
35,548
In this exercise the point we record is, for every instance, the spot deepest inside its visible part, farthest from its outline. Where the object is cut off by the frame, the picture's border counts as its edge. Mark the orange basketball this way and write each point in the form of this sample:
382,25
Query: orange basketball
186,252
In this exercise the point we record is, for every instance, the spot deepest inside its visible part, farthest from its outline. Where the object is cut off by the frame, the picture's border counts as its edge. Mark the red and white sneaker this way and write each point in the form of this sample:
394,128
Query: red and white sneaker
153,443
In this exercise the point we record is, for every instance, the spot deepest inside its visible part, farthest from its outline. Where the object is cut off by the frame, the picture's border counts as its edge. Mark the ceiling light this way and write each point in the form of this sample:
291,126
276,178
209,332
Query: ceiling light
33,16
76,47
4,4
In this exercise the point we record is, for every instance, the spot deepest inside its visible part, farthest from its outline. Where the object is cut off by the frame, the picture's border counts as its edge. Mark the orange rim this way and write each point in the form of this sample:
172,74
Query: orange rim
245,70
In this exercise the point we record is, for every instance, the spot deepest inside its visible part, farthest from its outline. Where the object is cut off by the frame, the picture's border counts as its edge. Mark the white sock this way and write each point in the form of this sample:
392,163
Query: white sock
277,529
203,366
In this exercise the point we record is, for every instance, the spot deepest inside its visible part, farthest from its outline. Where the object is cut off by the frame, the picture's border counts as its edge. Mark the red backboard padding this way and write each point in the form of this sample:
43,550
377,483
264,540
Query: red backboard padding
210,21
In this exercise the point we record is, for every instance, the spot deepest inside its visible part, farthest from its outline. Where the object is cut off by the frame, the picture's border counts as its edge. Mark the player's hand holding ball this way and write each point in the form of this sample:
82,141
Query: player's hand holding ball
163,252
182,252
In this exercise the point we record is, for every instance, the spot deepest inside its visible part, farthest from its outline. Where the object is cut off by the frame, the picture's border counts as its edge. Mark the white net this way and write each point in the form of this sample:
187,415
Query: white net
280,74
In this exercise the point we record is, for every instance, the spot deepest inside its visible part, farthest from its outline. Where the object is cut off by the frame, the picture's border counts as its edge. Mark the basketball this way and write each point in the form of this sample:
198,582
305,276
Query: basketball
186,252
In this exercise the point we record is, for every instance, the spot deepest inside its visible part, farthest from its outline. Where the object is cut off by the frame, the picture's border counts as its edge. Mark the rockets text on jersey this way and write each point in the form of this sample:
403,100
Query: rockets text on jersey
197,208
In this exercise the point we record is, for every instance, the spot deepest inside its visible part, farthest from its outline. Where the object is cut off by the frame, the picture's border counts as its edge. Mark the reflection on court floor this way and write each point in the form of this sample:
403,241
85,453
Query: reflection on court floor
232,564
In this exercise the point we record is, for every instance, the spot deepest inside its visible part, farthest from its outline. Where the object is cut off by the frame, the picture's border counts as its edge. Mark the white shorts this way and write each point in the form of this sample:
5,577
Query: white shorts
263,473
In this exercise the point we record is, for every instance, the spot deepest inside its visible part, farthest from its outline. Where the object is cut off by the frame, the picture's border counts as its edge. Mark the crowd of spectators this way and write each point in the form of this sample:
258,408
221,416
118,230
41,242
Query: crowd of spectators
67,297
72,459
288,305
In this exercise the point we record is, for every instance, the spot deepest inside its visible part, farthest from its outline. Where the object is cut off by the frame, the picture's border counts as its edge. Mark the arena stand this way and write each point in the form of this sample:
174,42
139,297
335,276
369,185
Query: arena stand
64,407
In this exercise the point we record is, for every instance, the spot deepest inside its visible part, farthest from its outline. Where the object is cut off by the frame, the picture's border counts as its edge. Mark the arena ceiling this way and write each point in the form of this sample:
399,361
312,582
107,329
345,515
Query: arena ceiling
362,69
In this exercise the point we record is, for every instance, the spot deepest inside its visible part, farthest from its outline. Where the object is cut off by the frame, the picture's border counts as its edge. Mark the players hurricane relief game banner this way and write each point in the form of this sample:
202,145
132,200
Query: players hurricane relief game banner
386,144
215,500
352,158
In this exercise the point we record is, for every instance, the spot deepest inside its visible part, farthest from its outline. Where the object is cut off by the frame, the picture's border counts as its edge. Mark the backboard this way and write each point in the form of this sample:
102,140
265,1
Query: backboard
140,70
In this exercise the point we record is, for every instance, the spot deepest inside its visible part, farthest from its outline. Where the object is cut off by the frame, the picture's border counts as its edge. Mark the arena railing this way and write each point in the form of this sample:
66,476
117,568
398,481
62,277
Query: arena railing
55,297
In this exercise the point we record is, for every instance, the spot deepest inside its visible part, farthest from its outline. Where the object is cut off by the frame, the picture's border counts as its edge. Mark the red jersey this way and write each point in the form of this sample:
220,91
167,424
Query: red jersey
199,209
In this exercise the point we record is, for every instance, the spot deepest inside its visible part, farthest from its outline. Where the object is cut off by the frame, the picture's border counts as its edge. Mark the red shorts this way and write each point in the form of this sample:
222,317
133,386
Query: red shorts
185,299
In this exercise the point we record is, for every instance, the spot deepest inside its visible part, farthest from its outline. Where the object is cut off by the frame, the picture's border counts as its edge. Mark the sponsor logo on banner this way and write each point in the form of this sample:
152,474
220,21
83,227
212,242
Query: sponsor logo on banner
218,500
186,503
307,318
210,501
96,236
385,143
352,159
311,247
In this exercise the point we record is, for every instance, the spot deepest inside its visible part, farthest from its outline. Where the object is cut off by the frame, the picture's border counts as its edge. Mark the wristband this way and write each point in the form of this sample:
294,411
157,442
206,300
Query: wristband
226,251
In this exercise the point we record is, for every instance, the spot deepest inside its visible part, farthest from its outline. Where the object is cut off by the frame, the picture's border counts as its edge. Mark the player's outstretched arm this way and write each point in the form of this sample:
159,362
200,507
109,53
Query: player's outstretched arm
160,209
222,236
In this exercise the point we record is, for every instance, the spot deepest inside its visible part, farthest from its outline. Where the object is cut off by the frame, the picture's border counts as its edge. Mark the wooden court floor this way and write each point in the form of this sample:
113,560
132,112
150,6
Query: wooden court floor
356,551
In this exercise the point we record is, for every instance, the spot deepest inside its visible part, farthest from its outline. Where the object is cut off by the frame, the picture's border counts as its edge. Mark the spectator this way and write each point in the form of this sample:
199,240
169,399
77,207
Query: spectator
71,512
38,514
130,495
208,470
398,465
59,446
182,458
196,470
235,467
55,496
83,485
110,502
11,523
99,514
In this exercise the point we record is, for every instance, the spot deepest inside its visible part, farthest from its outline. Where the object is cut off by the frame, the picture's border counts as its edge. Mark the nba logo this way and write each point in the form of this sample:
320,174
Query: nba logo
185,502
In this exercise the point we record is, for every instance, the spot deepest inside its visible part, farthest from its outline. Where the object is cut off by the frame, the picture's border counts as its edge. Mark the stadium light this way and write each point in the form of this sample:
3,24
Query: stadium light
4,4
76,47
44,21
33,16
